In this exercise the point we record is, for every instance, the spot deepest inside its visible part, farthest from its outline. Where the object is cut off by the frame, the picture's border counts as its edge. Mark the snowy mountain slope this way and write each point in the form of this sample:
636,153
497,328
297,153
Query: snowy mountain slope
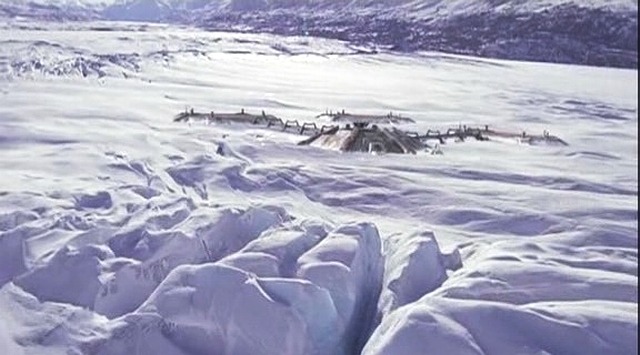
122,231
594,32
424,8
432,6
46,12
141,10
400,9
565,32
419,9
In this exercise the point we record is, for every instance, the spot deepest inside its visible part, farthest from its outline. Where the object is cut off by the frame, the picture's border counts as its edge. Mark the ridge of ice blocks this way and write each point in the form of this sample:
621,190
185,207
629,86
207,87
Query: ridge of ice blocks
72,275
414,267
29,326
435,325
321,310
316,288
498,304
152,256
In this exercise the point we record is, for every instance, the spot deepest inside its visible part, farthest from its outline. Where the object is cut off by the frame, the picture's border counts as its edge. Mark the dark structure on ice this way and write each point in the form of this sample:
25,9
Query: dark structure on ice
345,117
363,133
364,138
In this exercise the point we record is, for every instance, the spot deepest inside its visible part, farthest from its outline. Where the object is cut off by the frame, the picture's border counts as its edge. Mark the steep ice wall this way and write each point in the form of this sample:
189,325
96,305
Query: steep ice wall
349,264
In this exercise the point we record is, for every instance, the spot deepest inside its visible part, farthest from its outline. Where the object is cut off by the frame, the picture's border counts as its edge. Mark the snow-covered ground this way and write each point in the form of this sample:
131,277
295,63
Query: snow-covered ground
122,232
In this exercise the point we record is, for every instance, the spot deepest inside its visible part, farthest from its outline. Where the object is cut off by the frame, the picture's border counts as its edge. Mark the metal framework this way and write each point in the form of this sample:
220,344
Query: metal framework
362,133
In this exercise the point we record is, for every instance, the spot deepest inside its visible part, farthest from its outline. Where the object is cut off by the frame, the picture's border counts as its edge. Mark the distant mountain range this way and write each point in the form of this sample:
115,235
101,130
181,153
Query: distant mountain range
591,32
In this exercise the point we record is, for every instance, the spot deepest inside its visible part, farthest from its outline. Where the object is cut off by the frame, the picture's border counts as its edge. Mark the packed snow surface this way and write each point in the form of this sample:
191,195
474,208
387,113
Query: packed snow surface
123,232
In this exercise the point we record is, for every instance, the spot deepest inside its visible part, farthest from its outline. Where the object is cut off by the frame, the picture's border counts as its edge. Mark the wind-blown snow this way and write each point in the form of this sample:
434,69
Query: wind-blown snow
122,231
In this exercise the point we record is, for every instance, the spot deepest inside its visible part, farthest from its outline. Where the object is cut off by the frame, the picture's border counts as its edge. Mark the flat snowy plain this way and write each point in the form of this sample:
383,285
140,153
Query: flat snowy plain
122,232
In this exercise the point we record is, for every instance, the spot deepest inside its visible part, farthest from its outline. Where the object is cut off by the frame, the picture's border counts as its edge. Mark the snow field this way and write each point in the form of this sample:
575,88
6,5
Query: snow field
123,232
